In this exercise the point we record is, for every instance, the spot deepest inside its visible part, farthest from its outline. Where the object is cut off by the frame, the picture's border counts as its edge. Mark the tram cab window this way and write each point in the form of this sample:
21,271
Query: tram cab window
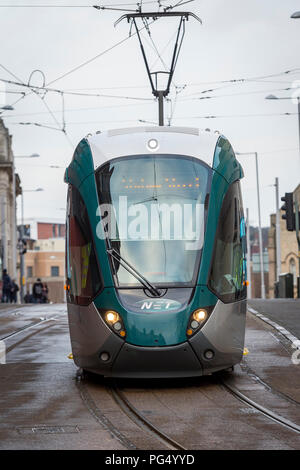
159,224
83,278
228,271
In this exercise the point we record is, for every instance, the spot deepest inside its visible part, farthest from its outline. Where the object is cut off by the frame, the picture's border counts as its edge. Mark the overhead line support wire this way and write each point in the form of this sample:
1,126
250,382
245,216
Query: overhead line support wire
34,89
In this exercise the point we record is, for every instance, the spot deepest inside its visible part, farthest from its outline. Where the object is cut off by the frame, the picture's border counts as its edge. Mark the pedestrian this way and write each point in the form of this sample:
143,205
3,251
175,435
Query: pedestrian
13,291
45,293
37,291
6,286
27,298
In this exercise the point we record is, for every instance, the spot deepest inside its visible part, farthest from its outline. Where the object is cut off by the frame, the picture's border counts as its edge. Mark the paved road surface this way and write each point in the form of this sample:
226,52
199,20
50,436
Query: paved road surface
285,312
44,406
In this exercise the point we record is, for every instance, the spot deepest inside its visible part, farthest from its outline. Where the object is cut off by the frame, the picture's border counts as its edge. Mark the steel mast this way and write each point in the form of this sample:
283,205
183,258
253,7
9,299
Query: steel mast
160,94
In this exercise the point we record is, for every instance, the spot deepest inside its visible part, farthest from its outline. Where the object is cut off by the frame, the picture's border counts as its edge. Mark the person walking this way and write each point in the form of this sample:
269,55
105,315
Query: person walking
37,291
6,286
13,291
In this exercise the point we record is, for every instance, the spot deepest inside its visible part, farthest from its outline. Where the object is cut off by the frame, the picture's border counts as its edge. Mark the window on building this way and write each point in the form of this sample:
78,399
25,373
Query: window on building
53,230
292,270
228,271
29,271
54,271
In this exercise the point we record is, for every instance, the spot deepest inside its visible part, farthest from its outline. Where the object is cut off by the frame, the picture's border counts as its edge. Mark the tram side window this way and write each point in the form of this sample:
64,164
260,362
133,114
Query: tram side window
228,271
83,278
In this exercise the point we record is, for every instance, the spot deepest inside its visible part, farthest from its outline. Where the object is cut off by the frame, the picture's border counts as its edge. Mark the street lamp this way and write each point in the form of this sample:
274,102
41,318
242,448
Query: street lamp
22,236
296,15
7,107
33,155
273,97
263,290
14,227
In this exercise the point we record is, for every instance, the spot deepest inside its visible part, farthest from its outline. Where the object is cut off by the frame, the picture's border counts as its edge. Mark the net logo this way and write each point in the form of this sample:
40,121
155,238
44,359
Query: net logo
158,305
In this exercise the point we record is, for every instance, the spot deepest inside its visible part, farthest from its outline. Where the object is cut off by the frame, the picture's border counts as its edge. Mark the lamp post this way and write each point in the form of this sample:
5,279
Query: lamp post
278,248
22,236
248,254
14,224
7,107
296,15
33,155
263,289
273,97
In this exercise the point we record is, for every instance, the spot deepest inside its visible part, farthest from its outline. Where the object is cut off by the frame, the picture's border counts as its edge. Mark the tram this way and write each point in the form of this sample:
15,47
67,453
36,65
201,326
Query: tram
155,253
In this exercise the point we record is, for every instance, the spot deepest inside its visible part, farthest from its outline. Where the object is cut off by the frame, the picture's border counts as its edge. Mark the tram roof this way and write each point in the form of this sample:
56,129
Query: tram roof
171,140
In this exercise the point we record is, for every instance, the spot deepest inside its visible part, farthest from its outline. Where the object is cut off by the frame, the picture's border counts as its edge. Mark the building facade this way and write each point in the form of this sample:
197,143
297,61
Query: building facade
288,248
45,257
255,268
9,184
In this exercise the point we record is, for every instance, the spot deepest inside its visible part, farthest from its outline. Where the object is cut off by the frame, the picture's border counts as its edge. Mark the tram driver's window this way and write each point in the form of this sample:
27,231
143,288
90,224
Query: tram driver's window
227,277
83,278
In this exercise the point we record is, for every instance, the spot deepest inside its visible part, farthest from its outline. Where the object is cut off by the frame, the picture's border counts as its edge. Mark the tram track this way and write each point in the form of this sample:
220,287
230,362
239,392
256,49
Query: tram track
131,411
287,341
127,409
262,409
21,330
114,409
32,325
98,414
247,370
134,414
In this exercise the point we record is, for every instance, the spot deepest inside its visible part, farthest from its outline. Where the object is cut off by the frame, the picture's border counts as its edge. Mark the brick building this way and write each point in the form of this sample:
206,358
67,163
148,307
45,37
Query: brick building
288,247
45,257
255,262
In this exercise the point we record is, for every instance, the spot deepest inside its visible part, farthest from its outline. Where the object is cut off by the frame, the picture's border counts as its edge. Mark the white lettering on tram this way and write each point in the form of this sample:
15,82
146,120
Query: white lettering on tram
163,304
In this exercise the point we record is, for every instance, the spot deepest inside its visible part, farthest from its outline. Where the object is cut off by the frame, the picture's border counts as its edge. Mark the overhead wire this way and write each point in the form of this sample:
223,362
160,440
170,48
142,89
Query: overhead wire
178,117
242,93
35,88
95,108
180,3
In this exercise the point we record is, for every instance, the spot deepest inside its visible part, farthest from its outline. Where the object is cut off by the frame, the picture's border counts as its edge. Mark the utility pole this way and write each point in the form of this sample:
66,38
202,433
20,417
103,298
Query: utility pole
160,108
21,251
262,273
278,247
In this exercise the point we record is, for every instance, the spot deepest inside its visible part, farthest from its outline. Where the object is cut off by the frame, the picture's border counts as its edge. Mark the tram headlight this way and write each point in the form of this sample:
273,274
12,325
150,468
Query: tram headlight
197,320
111,317
200,315
114,321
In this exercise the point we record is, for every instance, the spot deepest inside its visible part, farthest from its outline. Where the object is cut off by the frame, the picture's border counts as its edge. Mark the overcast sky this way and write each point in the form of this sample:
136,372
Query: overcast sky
248,39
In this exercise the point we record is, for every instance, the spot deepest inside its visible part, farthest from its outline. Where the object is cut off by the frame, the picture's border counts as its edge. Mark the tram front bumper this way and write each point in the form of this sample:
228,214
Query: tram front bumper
150,362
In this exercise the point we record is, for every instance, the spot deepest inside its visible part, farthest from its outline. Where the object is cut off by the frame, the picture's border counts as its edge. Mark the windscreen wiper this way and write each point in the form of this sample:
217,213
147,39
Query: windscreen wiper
150,287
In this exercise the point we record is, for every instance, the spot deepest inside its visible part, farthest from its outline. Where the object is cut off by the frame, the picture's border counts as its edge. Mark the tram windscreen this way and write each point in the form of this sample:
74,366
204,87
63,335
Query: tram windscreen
152,212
